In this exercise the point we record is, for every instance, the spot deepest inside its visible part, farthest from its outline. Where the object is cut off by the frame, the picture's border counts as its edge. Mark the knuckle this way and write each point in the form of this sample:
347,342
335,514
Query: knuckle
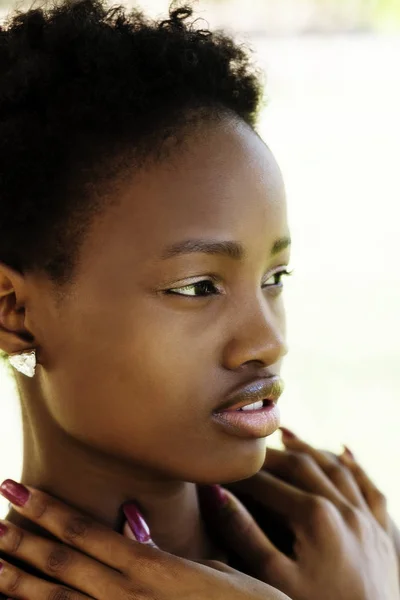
321,516
299,461
335,471
320,508
14,584
267,563
77,529
352,516
59,559
378,499
61,593
16,540
272,567
40,505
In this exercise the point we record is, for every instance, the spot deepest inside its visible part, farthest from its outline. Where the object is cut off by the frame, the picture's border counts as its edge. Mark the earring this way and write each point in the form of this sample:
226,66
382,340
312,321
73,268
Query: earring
25,362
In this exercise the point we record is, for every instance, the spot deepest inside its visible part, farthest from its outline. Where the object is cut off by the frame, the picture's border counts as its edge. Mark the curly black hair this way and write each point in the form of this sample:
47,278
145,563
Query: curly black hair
87,90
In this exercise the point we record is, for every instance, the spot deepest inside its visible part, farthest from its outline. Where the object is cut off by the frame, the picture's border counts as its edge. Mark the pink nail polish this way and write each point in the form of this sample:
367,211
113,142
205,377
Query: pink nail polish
137,523
15,492
3,529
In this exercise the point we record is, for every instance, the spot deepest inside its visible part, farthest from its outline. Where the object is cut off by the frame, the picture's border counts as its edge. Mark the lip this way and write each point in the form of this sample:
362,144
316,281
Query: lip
267,388
252,424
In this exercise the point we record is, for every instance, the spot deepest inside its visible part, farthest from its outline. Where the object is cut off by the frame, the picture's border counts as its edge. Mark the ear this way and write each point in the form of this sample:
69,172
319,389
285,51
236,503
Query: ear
14,337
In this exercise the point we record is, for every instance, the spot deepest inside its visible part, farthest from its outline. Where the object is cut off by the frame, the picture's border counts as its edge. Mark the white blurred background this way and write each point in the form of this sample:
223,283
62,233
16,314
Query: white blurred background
333,84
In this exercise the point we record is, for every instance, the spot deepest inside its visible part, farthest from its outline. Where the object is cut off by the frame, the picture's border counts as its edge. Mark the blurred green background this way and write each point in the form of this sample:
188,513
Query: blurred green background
333,89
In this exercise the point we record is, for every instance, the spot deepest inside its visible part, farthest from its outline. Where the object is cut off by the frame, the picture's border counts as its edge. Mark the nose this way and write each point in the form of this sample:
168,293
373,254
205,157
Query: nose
257,334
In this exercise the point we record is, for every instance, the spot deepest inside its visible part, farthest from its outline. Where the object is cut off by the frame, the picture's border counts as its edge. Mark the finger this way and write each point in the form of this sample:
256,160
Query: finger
59,561
300,469
283,499
71,526
313,521
236,529
22,586
335,471
376,501
303,511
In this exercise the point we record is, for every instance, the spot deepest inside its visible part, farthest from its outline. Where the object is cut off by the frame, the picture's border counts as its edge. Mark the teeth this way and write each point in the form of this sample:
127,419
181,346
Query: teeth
254,406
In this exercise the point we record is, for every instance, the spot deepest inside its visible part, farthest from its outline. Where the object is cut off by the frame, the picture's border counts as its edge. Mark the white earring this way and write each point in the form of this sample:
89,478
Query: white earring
25,362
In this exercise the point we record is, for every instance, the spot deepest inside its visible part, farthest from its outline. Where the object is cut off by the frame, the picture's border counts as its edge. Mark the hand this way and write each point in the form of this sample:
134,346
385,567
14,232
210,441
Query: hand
338,549
96,562
375,499
345,472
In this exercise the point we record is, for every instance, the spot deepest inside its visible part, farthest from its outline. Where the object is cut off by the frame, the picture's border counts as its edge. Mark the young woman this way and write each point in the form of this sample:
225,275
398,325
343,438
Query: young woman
143,245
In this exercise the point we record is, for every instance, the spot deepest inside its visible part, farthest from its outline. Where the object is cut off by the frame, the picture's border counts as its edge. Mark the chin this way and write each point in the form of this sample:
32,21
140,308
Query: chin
241,464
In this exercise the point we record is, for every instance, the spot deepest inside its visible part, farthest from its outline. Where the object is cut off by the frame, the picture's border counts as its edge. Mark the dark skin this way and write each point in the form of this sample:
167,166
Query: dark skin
129,374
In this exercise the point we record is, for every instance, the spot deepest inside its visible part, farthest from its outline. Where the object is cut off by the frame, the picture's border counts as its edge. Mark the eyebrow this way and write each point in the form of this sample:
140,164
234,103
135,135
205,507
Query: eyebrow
231,249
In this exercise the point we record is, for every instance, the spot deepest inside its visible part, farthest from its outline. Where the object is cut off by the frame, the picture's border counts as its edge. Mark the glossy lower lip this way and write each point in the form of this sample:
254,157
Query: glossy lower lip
249,424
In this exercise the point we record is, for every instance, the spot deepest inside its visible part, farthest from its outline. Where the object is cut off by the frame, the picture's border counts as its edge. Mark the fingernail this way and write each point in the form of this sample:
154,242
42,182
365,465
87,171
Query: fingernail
212,497
16,493
3,529
348,452
137,523
288,434
1,566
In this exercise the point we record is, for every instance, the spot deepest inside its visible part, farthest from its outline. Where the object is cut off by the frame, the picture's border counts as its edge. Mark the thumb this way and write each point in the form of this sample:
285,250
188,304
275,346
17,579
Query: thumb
135,527
238,531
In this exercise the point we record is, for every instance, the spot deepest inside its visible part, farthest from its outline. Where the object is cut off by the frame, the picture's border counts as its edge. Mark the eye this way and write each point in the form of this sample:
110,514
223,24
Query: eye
277,278
206,287
197,289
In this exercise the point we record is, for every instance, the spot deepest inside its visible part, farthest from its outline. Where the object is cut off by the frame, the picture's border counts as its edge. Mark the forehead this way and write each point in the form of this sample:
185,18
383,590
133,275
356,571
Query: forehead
222,182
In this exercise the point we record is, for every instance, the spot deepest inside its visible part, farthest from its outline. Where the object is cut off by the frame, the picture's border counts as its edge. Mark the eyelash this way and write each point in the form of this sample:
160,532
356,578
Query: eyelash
277,284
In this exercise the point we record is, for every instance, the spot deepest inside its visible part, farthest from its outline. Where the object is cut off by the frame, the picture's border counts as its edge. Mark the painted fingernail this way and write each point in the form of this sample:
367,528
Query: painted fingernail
212,497
348,452
15,492
3,529
288,434
137,523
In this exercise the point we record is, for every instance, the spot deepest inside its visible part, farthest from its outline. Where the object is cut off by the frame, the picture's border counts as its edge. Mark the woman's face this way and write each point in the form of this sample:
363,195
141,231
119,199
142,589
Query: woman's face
136,372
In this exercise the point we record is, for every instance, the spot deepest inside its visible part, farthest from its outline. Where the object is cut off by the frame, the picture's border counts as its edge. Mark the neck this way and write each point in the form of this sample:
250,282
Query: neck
98,485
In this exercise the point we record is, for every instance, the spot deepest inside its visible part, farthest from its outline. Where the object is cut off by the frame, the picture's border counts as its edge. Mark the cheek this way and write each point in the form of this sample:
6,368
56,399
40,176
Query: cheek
121,393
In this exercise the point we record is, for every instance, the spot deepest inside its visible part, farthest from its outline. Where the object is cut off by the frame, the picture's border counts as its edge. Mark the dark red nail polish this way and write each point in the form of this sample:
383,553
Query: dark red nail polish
137,523
16,493
288,434
3,529
212,497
